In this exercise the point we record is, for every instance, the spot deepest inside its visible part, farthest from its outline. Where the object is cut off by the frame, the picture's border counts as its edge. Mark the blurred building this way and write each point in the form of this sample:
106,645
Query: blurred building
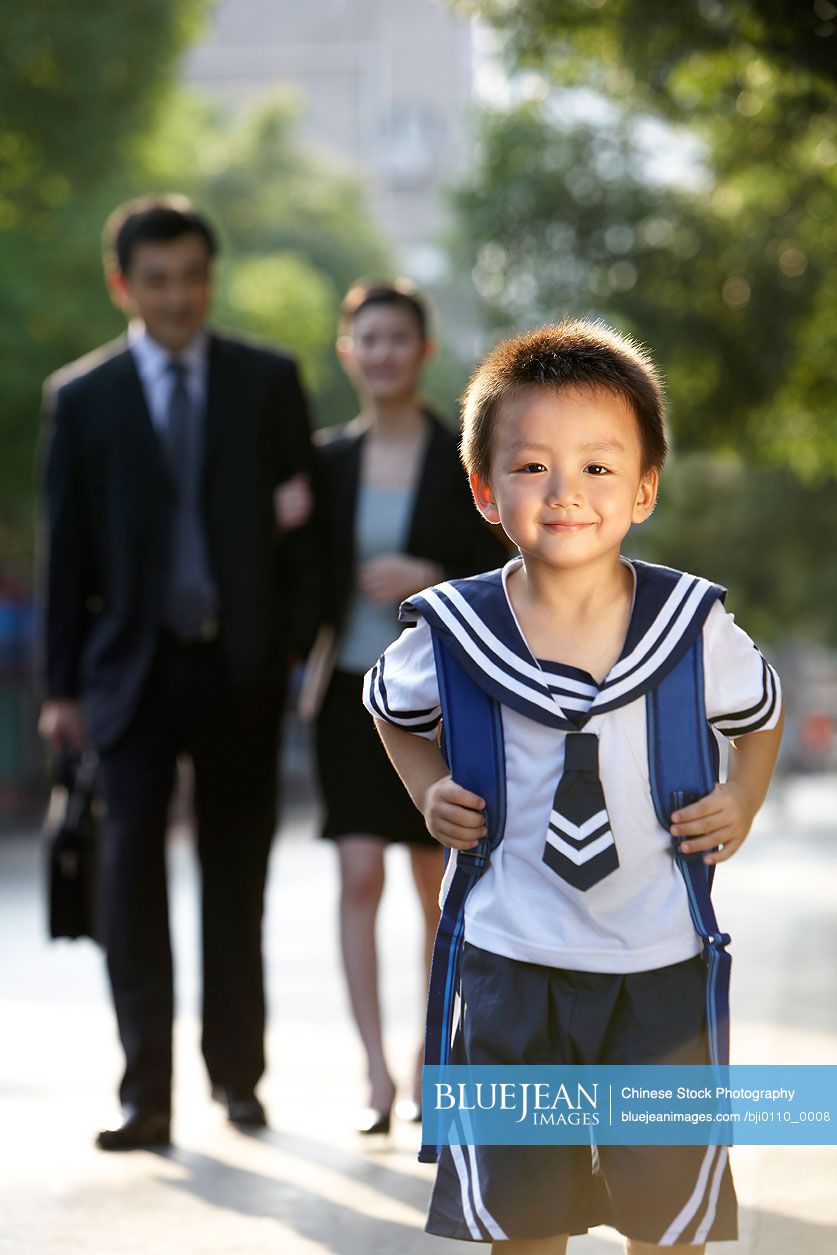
384,85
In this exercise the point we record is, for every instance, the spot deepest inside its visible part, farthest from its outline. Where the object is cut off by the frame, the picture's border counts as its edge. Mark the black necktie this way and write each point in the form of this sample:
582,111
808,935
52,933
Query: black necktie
579,844
190,600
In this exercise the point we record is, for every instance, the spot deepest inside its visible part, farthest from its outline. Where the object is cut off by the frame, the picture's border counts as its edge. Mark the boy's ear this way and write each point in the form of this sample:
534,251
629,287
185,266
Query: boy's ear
484,498
646,497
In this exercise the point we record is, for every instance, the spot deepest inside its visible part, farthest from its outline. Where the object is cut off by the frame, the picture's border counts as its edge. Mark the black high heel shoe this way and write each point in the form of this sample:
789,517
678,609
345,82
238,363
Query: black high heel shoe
374,1122
408,1110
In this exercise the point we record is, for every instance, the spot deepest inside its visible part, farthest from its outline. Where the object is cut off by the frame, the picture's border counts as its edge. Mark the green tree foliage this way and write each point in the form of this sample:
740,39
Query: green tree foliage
295,230
766,535
88,118
77,79
644,46
671,168
736,295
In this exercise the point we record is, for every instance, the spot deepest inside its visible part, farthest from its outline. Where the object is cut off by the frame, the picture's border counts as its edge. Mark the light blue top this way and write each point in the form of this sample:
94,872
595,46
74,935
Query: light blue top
381,522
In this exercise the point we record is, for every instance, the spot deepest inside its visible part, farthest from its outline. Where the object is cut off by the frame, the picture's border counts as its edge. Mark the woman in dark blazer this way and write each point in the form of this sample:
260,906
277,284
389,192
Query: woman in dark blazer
398,516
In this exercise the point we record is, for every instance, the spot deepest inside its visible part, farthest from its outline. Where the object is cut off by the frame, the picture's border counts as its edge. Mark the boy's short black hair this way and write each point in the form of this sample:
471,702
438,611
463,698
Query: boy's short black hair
400,292
575,353
153,220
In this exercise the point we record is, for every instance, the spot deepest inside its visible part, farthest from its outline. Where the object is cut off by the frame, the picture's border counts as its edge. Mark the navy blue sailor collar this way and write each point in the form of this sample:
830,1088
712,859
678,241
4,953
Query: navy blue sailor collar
476,621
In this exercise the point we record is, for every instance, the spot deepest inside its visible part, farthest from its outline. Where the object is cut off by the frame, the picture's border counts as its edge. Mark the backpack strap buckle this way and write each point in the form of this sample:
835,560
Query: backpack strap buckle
477,859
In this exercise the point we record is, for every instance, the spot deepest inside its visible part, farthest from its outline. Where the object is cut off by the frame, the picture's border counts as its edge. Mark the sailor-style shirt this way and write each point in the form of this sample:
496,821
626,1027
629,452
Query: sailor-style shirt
636,918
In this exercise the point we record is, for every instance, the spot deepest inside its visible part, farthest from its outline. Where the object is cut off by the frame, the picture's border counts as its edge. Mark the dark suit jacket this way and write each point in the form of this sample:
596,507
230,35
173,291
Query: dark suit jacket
444,526
109,504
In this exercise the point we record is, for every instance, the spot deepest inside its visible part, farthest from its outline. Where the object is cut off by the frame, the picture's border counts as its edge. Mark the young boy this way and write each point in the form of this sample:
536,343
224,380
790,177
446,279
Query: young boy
579,944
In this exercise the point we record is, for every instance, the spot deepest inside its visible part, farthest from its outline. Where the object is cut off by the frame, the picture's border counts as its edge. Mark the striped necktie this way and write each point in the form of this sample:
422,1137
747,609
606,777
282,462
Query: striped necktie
579,844
190,598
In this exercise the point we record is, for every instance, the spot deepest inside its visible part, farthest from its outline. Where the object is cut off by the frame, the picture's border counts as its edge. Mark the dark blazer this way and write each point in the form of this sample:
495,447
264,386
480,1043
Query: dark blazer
444,526
109,503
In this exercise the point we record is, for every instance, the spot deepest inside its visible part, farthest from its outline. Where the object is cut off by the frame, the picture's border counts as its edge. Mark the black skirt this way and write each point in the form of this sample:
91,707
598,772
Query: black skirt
361,789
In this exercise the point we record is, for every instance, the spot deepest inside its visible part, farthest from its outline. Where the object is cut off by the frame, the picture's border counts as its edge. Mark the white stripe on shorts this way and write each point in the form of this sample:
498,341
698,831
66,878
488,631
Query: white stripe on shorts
688,1212
485,1215
462,1172
712,1206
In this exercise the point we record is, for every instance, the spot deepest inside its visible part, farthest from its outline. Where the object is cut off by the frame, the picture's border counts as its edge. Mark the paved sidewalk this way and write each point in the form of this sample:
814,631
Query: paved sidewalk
306,1187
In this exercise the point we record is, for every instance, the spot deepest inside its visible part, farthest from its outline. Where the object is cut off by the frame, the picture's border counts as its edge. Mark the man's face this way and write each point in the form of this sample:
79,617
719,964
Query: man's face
168,286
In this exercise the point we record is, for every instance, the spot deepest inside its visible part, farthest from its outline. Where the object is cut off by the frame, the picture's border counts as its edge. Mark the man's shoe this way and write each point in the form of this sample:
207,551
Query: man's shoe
243,1107
140,1128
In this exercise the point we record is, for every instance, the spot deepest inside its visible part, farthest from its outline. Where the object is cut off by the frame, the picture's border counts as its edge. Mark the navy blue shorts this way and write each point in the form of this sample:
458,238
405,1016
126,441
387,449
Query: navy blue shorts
522,1013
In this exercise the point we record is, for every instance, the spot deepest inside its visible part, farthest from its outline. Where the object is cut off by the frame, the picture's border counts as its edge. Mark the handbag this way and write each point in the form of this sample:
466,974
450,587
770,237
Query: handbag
317,673
71,848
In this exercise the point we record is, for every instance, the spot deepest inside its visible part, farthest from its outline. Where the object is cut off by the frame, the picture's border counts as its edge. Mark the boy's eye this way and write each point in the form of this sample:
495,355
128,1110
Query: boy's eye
595,468
532,468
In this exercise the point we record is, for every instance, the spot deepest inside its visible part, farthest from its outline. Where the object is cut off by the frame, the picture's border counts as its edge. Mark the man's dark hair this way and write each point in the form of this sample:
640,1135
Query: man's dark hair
400,292
576,353
153,220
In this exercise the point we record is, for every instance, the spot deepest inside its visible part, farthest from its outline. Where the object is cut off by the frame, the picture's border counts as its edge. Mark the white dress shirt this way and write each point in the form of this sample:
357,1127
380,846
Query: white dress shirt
152,363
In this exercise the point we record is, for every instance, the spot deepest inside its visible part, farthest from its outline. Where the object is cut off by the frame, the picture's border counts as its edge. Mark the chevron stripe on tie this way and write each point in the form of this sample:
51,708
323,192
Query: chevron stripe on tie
579,843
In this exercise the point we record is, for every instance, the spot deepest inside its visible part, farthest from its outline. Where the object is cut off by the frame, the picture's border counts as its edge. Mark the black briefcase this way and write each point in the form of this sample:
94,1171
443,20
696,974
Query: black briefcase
72,853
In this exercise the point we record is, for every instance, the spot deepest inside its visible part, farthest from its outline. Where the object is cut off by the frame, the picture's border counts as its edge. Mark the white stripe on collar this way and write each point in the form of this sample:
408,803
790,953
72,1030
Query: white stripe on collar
682,602
649,640
567,684
656,656
516,681
523,666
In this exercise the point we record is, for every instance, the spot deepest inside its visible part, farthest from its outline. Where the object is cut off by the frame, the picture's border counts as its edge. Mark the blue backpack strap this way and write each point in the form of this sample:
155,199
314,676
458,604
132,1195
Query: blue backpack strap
683,767
472,742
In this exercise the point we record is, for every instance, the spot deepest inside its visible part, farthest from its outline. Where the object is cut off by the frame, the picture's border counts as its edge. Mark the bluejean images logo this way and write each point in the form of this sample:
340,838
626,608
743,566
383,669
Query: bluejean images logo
663,1105
543,1103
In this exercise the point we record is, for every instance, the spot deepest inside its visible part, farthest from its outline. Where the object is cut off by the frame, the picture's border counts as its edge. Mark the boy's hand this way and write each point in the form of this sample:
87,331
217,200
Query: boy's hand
722,818
453,815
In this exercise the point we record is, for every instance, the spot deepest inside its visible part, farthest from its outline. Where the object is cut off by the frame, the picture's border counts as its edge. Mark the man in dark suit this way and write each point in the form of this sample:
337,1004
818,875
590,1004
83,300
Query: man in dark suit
176,484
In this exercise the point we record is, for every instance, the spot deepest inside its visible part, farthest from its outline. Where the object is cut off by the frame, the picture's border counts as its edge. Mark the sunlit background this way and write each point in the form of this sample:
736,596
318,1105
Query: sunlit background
670,168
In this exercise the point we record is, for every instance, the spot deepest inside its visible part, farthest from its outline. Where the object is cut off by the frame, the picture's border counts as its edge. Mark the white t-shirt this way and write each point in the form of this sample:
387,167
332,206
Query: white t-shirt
637,918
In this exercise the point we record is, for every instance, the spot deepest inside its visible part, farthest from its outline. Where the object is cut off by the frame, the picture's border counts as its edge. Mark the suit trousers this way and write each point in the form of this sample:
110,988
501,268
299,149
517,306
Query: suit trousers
189,707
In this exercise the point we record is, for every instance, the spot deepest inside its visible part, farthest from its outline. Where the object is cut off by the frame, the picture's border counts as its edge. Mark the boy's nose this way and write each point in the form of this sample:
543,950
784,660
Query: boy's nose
563,490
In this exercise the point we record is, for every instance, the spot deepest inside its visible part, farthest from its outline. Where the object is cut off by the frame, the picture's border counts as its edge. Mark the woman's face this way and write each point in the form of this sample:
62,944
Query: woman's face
383,352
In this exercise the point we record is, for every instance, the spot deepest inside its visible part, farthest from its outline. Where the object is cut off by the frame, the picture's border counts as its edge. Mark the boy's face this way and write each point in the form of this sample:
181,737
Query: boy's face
566,478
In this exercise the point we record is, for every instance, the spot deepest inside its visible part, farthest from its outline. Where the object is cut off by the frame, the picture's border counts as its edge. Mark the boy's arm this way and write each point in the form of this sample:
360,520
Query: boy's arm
724,816
452,814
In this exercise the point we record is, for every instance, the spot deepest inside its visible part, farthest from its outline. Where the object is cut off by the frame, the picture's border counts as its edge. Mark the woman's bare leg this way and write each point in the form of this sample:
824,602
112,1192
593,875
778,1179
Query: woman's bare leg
361,887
